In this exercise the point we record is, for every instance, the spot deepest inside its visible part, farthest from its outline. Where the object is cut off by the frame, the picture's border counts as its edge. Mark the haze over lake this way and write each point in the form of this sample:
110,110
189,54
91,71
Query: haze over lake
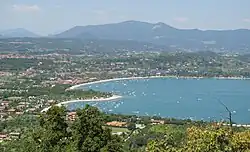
179,98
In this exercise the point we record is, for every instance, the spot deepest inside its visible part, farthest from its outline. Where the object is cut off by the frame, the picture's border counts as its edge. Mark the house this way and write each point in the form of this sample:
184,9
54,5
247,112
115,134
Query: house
71,116
2,108
116,124
14,135
117,133
31,110
140,126
3,136
50,102
154,122
5,103
11,111
20,106
19,113
22,103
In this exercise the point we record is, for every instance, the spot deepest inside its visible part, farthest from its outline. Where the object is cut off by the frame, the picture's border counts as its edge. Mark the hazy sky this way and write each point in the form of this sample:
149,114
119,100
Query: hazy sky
49,16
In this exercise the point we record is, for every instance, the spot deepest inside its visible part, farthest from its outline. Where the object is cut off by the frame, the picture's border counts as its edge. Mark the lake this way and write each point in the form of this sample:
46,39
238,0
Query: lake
197,99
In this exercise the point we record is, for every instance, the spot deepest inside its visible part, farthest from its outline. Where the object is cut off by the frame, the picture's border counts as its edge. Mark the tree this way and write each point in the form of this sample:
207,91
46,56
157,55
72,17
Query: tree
114,145
55,134
204,139
207,140
88,133
131,126
217,140
52,135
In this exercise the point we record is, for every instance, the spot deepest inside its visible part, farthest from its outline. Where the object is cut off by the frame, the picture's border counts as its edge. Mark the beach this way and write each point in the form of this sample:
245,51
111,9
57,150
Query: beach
106,80
151,77
112,98
115,97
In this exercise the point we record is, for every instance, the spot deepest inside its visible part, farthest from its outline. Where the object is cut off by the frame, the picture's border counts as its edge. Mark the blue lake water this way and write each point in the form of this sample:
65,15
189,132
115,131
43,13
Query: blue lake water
179,98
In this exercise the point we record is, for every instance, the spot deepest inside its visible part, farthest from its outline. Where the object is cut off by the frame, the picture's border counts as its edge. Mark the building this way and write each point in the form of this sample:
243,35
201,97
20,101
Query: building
2,108
19,113
11,111
117,124
140,126
14,135
154,122
5,103
3,136
71,116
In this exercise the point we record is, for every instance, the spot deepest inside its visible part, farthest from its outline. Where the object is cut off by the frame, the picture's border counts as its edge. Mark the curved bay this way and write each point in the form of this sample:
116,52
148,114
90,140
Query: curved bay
180,98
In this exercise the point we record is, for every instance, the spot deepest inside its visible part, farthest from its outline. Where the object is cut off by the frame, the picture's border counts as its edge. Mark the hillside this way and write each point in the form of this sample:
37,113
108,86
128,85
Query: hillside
19,32
161,33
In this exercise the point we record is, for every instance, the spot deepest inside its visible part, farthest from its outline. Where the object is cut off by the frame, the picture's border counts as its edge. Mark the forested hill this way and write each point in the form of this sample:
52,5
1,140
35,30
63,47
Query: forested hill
161,33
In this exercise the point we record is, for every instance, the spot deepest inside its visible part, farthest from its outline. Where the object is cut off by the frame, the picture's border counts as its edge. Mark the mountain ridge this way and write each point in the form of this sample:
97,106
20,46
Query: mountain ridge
158,34
163,34
18,32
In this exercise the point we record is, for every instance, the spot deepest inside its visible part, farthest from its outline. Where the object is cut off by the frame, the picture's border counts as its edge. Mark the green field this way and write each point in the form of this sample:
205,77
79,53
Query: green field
117,129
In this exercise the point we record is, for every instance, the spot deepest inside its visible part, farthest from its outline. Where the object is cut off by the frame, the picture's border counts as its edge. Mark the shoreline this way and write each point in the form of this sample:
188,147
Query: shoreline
113,97
153,77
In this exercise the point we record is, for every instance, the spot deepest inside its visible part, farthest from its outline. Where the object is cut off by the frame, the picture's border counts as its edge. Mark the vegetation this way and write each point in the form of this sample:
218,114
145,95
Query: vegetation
204,140
87,133
35,79
55,134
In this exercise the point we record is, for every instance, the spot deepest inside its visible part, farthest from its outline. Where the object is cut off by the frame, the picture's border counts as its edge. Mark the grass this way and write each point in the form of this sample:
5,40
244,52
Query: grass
117,129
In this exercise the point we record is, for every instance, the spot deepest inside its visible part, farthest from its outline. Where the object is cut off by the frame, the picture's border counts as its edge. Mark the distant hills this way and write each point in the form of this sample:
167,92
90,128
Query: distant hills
161,33
19,32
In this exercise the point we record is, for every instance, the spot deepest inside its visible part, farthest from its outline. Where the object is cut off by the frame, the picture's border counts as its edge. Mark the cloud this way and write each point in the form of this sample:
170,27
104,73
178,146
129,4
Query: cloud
25,8
181,19
246,20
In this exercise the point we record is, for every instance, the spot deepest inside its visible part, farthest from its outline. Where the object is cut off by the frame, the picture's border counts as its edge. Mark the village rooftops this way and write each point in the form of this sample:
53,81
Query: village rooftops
3,136
157,121
5,103
11,110
2,108
116,124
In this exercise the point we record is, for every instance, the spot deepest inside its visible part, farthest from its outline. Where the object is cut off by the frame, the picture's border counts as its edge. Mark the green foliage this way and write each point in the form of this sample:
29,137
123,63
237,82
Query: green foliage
56,92
87,131
204,139
55,134
88,134
19,123
114,145
131,126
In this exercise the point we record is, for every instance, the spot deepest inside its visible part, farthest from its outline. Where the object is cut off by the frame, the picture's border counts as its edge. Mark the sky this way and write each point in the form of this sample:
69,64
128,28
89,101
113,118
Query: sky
52,16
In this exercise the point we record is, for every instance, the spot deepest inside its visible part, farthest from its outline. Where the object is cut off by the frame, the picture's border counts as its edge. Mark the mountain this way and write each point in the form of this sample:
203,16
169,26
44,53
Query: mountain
129,30
161,33
19,32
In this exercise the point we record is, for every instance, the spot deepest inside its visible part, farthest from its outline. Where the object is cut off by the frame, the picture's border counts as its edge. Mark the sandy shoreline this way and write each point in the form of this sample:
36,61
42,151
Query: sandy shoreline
106,80
151,77
114,97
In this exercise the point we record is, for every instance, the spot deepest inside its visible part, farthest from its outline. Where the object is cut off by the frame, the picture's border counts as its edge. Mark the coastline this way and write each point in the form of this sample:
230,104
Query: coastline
106,80
152,77
113,97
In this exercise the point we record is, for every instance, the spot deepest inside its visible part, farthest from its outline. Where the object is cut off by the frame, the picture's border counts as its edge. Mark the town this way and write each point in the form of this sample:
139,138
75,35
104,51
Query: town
33,80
